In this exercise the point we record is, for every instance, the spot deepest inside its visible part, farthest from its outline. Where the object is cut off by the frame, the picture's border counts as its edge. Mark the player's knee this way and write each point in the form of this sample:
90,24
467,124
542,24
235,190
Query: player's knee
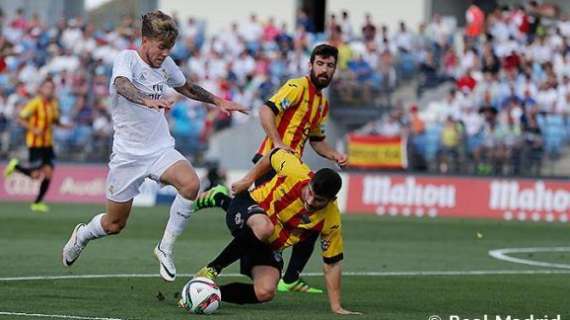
263,228
190,189
48,172
264,292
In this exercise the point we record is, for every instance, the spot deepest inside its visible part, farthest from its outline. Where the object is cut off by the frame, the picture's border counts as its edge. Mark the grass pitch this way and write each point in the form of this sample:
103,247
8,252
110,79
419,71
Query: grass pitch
401,268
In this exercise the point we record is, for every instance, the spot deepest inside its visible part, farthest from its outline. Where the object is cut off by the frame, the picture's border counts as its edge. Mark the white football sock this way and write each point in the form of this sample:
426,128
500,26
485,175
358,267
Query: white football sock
92,230
180,212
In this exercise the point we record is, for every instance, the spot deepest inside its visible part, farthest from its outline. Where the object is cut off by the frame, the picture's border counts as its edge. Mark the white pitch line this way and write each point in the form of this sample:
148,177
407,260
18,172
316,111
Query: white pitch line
309,274
58,316
502,254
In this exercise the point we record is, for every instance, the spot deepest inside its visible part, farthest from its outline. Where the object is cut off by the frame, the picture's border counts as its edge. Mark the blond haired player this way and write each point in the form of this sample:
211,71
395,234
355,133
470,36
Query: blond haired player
142,144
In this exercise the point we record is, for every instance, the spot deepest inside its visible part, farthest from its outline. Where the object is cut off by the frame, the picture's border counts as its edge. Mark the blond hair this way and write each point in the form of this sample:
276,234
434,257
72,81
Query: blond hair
158,25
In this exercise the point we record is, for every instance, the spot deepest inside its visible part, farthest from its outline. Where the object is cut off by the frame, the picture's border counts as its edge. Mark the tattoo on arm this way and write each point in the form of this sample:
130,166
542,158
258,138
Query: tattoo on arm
196,92
129,91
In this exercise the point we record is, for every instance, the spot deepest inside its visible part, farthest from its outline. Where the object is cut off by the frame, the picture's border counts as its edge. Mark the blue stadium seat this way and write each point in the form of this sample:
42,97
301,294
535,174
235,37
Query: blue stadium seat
554,133
432,141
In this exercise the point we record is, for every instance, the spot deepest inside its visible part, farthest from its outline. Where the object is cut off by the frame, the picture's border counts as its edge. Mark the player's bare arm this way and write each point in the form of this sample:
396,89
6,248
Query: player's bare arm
327,151
195,92
268,123
126,89
260,168
333,276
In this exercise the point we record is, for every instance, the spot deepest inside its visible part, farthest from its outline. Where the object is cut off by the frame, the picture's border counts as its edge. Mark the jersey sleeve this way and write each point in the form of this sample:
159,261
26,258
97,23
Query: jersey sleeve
332,245
29,109
288,95
317,132
175,76
287,164
122,67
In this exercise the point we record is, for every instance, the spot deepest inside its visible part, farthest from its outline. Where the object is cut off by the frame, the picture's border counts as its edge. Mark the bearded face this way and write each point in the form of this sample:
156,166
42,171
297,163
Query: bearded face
322,71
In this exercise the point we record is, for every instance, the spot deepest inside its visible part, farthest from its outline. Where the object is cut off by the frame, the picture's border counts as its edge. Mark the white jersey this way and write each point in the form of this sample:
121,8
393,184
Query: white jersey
139,130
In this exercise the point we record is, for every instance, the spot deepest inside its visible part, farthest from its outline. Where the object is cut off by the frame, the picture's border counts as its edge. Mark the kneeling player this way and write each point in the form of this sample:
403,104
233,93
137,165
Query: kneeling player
288,209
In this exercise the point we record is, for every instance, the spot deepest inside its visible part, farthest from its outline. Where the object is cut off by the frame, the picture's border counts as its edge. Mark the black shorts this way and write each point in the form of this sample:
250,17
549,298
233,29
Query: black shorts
239,211
41,156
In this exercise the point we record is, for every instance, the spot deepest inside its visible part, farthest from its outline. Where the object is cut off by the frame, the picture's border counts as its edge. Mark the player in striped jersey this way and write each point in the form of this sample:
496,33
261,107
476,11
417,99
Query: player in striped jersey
296,113
38,117
286,210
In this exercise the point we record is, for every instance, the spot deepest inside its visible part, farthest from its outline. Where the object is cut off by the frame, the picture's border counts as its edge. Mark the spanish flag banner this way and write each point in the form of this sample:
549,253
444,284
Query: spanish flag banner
376,152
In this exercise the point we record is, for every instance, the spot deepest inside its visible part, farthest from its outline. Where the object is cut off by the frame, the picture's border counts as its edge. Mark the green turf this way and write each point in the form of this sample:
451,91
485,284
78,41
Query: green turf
31,246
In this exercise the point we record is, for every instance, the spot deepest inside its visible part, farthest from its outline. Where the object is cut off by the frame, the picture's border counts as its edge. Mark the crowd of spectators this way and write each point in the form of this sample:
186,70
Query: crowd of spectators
509,106
245,63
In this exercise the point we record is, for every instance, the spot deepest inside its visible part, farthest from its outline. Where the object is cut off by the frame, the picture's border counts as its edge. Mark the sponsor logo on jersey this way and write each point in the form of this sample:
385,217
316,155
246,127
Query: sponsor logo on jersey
325,244
285,103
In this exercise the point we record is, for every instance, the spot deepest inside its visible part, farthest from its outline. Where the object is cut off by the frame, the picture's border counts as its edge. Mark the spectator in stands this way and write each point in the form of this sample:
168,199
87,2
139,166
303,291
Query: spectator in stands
346,26
533,148
4,120
83,117
489,61
387,70
466,82
450,146
513,143
368,29
389,126
363,77
430,76
450,62
302,19
494,71
403,38
416,138
491,154
252,31
475,18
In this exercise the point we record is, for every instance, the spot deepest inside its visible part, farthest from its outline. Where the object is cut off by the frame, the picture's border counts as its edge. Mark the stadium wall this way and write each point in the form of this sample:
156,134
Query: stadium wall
413,12
380,194
220,14
463,197
50,11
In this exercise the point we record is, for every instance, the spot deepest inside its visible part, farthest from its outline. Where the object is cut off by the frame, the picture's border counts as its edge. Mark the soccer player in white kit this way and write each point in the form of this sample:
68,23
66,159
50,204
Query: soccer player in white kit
142,144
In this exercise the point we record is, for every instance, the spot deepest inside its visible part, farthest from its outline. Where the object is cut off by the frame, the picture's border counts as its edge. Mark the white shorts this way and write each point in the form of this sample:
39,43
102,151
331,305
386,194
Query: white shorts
126,174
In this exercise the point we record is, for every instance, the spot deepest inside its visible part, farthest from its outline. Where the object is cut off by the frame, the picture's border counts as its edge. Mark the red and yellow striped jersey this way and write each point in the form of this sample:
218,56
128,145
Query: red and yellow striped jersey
40,114
301,112
281,199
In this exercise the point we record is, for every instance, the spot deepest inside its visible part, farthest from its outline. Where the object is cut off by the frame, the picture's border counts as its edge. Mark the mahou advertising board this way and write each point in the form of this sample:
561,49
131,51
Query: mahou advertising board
71,183
467,197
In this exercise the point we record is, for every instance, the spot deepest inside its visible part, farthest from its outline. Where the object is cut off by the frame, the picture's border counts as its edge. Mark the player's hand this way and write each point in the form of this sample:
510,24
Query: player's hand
228,106
158,104
283,146
241,185
342,311
341,159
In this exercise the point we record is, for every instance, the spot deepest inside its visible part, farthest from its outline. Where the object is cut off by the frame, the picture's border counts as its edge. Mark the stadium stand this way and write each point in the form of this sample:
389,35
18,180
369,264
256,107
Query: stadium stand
246,64
509,104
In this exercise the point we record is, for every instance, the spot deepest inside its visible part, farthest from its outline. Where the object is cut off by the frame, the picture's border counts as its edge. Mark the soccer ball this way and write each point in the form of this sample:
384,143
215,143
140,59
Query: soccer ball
201,296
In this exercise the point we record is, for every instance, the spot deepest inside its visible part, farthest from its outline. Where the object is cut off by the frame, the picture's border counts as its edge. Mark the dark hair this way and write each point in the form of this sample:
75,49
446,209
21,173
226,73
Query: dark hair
47,79
325,51
158,25
326,183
